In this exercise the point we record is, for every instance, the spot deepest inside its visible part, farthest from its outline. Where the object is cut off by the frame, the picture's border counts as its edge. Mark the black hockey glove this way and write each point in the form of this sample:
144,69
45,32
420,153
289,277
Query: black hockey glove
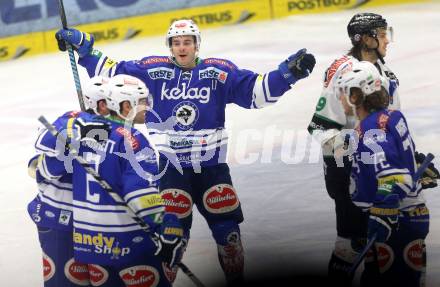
431,174
169,240
297,66
97,130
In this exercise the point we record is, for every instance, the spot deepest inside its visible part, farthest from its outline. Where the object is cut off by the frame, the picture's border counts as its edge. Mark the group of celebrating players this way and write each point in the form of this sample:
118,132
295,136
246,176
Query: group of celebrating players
128,223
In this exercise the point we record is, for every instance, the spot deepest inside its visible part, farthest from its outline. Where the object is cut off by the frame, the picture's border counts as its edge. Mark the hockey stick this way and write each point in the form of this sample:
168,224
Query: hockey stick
116,197
423,166
72,58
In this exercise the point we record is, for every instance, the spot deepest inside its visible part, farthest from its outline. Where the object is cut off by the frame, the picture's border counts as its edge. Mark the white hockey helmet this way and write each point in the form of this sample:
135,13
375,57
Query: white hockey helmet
363,75
96,90
183,27
125,88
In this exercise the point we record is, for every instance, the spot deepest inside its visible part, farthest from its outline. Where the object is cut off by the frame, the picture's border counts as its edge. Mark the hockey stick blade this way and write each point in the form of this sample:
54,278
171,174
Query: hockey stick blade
116,197
72,59
190,275
423,166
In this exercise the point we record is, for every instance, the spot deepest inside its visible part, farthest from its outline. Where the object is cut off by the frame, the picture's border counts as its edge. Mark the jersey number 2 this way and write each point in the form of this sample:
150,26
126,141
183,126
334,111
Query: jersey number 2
95,159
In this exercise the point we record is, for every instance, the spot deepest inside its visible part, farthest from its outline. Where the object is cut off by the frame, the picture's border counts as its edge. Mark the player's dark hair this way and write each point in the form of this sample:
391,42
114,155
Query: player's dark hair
355,51
113,113
377,100
90,111
373,102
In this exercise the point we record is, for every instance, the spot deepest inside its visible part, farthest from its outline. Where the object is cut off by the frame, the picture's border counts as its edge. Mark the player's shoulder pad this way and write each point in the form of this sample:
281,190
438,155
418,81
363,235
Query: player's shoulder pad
88,117
340,64
71,114
153,61
219,63
398,122
135,139
63,121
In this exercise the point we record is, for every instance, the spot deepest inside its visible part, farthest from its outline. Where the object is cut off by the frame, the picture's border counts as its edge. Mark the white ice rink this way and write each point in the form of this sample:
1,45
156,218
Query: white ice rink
289,218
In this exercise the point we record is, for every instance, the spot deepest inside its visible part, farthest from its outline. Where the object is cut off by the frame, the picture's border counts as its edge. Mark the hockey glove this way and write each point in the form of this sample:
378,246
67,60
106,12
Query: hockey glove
431,174
297,66
81,42
169,240
384,218
97,130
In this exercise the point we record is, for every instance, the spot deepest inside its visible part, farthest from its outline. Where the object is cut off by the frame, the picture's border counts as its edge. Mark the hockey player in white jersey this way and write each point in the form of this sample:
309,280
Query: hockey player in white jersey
370,35
191,93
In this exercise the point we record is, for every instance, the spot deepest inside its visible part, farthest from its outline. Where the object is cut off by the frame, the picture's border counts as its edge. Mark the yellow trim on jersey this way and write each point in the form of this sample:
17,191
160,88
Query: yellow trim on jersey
173,231
392,179
70,127
109,63
150,200
384,211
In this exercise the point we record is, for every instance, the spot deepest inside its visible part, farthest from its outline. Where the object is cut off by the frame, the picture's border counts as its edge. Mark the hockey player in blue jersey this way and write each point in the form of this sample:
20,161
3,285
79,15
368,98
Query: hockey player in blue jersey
370,35
189,96
383,169
104,233
52,208
111,260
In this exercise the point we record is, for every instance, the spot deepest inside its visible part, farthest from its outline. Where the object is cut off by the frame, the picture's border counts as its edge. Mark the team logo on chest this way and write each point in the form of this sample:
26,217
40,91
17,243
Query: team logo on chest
186,114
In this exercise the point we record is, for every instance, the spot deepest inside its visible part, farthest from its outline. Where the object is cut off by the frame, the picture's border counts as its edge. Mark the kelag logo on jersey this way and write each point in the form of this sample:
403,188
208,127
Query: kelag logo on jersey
161,73
213,73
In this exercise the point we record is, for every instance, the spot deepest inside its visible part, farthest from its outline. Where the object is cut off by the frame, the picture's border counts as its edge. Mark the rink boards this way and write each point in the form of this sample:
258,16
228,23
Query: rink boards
216,15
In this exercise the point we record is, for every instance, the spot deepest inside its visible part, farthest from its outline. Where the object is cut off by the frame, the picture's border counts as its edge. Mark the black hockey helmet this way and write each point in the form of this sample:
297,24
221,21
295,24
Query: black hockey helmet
365,24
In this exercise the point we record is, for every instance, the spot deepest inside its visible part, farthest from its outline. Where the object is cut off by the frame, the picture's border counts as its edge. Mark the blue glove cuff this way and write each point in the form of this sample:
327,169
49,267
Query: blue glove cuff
286,73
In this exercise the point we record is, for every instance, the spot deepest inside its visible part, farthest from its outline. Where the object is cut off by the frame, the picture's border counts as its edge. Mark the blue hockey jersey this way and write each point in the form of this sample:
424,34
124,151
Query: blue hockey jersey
53,206
103,231
187,121
384,161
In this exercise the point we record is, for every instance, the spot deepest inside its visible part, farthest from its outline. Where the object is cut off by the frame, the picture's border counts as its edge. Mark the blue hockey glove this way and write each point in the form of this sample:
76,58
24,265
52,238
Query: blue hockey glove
297,66
169,242
81,42
431,174
384,218
97,130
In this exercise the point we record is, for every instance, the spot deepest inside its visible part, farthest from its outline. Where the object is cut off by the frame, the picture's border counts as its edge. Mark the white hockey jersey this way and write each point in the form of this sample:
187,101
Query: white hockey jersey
329,117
